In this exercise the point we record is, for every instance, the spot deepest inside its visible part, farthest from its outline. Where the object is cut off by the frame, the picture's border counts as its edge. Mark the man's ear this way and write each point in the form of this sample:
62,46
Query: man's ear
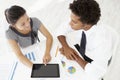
87,26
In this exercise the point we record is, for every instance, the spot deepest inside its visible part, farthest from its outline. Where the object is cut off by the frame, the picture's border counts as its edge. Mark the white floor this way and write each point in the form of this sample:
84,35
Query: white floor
53,13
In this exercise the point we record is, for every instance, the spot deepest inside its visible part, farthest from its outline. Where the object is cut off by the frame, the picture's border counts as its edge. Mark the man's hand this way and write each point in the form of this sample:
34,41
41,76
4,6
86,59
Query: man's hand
70,53
66,50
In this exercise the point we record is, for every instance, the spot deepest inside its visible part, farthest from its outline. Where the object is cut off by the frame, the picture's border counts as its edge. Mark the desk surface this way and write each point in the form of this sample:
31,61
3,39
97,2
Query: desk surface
69,70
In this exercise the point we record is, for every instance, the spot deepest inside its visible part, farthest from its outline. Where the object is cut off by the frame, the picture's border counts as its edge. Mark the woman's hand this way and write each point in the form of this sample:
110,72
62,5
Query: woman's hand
46,58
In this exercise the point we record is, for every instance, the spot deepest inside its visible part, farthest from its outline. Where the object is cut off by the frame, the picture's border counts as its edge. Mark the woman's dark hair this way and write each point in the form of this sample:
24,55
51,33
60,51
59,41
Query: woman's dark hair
88,11
14,13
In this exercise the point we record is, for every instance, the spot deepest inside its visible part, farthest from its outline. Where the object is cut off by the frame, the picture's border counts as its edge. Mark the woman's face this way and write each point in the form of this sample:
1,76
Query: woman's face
23,23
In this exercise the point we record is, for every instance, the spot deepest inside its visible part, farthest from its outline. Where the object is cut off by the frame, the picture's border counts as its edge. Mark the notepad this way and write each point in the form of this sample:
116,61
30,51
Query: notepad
48,71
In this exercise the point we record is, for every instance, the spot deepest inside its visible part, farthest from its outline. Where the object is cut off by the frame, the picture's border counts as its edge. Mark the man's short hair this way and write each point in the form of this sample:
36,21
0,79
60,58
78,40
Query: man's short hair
88,11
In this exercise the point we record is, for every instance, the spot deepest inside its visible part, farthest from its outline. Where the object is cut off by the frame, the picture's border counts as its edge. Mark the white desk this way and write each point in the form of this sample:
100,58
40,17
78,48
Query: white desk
23,73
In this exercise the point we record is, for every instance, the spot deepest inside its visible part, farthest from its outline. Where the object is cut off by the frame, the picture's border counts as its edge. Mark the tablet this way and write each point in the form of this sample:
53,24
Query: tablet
42,71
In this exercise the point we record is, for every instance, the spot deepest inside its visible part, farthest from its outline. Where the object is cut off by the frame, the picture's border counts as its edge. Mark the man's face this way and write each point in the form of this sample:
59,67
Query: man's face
75,22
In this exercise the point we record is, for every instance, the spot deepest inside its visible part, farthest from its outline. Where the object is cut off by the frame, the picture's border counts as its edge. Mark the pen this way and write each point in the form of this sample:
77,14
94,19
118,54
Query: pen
57,51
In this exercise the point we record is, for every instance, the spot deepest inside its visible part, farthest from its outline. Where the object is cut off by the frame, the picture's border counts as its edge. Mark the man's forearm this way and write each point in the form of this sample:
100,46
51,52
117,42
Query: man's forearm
63,41
81,62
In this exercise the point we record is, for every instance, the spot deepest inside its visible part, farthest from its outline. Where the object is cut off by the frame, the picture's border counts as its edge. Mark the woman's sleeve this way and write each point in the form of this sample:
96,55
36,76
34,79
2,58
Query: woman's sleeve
11,35
36,23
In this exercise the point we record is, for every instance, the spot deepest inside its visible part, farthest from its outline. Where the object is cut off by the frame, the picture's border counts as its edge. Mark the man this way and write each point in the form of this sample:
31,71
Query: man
96,42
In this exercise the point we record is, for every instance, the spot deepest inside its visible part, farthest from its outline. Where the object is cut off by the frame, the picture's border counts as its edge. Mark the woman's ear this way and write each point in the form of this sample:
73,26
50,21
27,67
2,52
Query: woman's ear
12,25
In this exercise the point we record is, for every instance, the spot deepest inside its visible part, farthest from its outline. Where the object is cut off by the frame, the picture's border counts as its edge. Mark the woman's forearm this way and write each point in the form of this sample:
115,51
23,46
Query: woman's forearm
49,42
25,61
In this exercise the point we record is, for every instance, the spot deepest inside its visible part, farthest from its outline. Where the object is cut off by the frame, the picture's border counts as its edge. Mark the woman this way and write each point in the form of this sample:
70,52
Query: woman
23,31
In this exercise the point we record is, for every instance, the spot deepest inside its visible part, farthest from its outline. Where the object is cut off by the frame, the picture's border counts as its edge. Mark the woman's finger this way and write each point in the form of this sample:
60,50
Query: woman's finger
45,61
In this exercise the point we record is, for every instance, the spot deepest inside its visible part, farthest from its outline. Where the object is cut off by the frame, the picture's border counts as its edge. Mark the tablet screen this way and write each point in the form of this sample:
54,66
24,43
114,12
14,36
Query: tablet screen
40,70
